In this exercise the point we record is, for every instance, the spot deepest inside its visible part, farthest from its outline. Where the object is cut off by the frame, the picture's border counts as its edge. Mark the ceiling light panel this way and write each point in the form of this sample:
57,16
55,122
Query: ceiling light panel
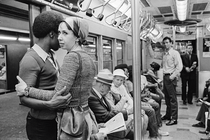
181,6
199,6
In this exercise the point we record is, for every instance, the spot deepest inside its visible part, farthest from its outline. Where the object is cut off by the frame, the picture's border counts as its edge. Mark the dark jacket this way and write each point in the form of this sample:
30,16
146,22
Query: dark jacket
188,63
102,112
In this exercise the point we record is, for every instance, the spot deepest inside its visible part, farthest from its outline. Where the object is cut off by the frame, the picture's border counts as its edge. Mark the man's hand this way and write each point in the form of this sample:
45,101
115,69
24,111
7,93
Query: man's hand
187,69
130,111
100,136
20,87
59,101
101,125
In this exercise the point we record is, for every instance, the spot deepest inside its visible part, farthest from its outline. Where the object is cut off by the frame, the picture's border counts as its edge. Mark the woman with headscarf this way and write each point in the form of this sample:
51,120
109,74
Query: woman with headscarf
76,74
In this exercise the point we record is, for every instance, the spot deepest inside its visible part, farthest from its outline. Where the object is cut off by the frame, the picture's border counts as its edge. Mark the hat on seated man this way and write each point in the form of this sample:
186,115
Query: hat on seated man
104,76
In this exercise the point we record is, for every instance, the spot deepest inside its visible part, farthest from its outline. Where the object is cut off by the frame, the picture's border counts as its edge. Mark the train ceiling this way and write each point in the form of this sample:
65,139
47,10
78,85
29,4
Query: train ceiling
165,10
160,10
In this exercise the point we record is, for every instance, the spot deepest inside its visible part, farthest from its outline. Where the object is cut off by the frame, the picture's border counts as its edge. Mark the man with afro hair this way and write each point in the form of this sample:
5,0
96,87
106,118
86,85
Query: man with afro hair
39,68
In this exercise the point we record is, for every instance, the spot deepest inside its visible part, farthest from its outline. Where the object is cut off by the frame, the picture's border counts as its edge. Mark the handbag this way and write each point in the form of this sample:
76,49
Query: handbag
71,122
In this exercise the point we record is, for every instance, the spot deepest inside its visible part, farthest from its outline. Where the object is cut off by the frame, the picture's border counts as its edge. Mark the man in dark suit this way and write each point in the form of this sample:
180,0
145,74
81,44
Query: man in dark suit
99,105
188,74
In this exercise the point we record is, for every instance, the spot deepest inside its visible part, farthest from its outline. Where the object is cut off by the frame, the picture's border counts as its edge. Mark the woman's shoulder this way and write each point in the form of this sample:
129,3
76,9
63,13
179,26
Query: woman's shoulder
76,54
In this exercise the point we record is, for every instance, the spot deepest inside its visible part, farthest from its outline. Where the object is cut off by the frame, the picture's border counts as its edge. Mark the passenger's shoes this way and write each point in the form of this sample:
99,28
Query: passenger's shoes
163,133
165,118
171,122
184,103
208,138
190,103
203,132
154,138
200,124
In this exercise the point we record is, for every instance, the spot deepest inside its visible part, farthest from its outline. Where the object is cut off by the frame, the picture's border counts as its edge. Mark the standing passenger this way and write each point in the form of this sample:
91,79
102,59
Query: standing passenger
172,66
77,74
188,74
38,70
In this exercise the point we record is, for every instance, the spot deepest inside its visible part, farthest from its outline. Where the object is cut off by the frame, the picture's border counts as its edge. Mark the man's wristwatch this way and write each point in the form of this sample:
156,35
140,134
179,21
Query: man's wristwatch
27,91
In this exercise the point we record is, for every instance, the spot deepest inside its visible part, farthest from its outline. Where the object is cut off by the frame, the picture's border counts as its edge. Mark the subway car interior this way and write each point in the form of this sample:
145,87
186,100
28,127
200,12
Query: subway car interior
119,32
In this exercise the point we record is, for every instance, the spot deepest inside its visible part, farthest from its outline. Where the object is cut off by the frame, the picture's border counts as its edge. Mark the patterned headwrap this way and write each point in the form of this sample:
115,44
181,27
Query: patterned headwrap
79,27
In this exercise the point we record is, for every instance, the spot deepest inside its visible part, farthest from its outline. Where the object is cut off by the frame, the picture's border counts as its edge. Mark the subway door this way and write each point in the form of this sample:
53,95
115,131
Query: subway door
15,53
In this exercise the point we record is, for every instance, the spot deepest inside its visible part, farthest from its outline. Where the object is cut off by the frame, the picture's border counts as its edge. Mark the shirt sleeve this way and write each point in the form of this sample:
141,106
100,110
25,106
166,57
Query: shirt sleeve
29,70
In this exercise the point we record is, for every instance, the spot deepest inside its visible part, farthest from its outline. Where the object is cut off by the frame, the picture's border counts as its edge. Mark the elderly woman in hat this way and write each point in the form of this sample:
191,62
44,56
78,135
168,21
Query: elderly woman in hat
76,74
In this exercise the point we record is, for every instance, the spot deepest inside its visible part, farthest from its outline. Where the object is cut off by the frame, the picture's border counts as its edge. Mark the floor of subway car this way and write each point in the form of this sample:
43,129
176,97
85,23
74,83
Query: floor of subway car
186,117
12,120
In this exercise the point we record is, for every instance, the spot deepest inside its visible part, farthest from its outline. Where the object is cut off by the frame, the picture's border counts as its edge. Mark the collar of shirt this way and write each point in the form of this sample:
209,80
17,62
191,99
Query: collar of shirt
169,51
99,95
40,52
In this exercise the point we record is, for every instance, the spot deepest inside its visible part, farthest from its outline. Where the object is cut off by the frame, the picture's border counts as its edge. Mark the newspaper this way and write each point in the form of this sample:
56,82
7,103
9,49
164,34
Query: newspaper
115,124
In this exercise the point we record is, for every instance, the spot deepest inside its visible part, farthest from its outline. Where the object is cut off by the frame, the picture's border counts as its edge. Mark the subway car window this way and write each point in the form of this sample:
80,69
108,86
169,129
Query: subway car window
119,50
91,48
107,54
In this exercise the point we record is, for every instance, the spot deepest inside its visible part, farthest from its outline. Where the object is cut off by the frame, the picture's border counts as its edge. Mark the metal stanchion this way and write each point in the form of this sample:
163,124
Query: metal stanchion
135,8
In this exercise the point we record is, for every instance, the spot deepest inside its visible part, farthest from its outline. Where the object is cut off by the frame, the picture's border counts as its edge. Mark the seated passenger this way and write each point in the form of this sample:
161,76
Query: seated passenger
128,83
118,88
207,130
120,99
148,97
149,111
100,106
204,108
155,83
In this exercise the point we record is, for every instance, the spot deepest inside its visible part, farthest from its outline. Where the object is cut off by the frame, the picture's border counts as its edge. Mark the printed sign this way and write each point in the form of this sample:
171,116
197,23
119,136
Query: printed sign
206,47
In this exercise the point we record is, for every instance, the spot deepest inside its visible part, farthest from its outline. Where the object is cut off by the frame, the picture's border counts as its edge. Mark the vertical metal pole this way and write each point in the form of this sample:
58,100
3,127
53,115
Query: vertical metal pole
174,36
136,67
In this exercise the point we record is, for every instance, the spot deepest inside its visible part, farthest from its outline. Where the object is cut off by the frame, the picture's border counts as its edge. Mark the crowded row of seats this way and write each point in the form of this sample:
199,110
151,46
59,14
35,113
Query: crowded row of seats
113,93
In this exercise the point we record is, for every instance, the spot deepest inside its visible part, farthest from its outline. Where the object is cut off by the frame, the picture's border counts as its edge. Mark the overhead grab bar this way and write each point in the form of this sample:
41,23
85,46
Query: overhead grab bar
114,13
146,21
127,25
79,5
141,18
100,16
145,30
120,26
115,24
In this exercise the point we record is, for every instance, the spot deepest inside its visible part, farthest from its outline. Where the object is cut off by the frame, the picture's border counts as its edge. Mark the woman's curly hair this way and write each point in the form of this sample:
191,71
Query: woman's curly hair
46,22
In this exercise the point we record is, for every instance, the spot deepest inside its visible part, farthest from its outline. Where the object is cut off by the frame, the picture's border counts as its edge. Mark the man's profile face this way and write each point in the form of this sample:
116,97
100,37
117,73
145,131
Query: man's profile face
54,42
105,88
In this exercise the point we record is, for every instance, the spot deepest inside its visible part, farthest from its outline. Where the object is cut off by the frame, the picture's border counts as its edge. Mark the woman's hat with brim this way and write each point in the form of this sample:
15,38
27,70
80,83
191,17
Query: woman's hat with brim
104,76
119,72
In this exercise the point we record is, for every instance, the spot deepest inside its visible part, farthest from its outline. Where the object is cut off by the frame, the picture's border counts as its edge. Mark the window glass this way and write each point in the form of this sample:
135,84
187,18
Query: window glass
119,50
107,54
91,49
